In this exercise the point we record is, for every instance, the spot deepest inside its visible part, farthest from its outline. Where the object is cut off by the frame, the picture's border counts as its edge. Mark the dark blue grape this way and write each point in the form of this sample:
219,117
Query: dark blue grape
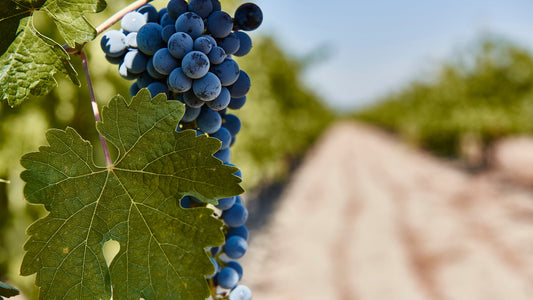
224,155
157,88
179,82
125,73
150,13
167,20
115,60
179,44
176,7
235,216
235,266
195,64
216,5
225,203
167,32
232,124
207,88
191,24
133,21
190,99
201,7
163,62
209,121
149,38
248,17
191,113
228,72
144,80
235,247
228,278
241,231
237,103
223,136
245,43
113,43
135,61
204,44
217,55
241,87
152,71
161,13
220,102
134,89
219,24
230,44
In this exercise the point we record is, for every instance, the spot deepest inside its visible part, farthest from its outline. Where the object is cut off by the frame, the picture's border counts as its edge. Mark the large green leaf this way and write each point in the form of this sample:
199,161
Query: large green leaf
135,202
29,59
7,290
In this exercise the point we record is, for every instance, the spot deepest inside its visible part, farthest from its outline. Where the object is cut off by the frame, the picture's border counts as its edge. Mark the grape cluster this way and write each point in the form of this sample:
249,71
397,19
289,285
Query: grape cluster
185,51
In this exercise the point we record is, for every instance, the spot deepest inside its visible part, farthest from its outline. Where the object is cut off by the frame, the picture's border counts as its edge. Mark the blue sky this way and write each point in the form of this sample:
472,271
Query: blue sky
374,47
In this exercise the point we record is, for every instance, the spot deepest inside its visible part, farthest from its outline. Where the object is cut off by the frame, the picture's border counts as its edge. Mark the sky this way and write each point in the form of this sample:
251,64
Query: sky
371,48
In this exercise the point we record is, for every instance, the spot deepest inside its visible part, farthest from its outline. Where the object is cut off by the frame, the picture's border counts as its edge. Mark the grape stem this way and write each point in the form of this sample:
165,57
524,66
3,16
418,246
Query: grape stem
96,112
118,16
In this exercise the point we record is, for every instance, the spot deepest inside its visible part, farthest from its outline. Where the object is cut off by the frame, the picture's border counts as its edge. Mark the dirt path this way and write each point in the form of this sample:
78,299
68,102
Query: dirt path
365,217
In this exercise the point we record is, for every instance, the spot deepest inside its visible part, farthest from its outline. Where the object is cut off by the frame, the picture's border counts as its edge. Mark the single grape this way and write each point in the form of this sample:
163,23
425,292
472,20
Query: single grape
195,64
230,44
179,82
135,61
241,87
235,247
235,216
220,102
131,40
228,72
201,7
133,21
161,13
179,44
176,7
232,123
203,44
225,203
114,60
113,43
149,12
217,55
208,87
190,99
248,17
237,103
149,38
224,136
157,88
190,23
241,231
167,32
235,266
134,89
191,113
216,5
241,292
163,62
209,121
152,71
228,278
224,155
167,20
245,43
219,24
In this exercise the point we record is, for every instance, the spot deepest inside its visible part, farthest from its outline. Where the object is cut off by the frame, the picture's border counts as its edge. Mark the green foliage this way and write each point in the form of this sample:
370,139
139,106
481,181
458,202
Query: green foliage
488,94
28,58
7,291
134,202
282,117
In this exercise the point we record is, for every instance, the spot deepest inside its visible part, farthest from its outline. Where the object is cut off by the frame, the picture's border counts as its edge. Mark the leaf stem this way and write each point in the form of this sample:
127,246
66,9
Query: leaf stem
96,112
116,17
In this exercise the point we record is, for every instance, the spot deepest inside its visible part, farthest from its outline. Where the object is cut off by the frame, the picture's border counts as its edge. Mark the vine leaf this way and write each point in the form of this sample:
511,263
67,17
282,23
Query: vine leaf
28,59
7,291
134,202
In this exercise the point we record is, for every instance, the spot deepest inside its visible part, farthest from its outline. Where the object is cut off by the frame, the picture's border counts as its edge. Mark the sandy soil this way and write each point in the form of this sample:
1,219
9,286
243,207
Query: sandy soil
366,217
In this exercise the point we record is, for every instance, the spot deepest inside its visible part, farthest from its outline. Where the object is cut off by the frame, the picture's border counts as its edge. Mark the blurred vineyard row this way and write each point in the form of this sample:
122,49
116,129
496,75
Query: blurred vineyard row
485,93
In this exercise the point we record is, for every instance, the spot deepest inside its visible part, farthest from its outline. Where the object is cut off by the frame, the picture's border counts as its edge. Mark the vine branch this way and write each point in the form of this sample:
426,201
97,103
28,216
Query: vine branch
96,112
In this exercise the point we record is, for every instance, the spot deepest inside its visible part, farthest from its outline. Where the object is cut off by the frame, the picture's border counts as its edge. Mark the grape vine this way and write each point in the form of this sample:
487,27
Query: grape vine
171,196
